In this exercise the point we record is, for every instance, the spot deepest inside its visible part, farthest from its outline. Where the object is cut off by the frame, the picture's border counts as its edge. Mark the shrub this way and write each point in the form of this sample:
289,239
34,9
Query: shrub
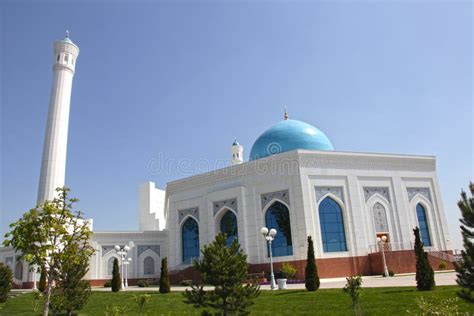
108,283
353,288
447,306
288,270
164,277
186,282
424,272
116,282
443,265
115,310
141,301
6,278
142,283
42,280
311,271
390,273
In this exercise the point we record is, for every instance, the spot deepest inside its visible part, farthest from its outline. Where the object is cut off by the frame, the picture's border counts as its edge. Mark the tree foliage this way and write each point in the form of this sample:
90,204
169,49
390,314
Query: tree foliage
225,268
45,235
116,280
424,272
71,292
465,268
311,271
164,277
6,279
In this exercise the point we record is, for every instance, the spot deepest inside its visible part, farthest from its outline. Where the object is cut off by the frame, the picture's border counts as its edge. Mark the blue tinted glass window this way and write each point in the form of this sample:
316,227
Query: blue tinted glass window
228,226
422,221
190,240
278,217
332,226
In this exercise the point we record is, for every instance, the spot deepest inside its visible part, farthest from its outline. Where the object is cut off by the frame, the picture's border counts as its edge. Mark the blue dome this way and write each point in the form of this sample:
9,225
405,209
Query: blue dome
289,135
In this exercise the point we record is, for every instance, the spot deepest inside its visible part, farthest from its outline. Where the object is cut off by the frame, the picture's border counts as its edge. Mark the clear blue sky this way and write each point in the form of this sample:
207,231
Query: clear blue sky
185,78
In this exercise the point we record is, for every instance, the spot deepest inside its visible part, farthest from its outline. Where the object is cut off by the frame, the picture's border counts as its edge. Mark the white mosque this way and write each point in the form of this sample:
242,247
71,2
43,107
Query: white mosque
294,181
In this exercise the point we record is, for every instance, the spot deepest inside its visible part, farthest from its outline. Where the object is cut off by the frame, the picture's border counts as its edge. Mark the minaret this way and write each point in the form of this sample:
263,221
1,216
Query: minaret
53,165
237,153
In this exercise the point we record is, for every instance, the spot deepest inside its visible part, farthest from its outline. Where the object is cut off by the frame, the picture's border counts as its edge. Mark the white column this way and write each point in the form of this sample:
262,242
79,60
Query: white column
53,164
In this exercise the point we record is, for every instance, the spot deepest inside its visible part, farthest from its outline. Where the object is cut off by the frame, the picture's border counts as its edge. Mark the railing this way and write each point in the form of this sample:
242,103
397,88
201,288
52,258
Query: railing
442,255
391,246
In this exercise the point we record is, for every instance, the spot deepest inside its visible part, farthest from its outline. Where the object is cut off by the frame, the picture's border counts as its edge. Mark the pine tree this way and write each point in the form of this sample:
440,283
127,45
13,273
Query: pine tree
311,270
6,279
42,280
424,272
465,268
116,282
164,277
225,268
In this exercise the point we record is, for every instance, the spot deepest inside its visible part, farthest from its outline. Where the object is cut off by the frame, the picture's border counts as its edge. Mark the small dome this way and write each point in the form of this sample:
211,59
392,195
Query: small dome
289,135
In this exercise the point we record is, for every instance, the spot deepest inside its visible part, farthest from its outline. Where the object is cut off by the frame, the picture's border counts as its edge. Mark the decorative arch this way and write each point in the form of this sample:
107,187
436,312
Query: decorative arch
277,216
108,262
423,224
145,266
189,239
331,220
226,223
18,272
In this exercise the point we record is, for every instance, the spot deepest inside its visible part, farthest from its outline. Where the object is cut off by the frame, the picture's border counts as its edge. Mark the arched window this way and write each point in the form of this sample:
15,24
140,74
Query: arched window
148,266
228,226
380,218
18,274
278,217
110,265
332,226
190,240
423,222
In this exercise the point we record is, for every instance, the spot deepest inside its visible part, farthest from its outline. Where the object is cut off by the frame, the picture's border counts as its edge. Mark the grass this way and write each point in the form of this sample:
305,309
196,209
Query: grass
374,301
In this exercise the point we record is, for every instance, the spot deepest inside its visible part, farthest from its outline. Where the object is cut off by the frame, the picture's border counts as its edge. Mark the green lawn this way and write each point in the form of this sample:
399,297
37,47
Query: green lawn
374,301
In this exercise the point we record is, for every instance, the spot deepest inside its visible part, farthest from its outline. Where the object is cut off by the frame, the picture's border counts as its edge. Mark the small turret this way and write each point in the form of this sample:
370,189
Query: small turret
237,153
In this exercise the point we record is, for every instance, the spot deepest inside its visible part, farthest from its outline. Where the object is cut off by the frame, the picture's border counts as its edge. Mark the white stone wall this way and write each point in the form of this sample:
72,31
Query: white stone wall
340,175
151,208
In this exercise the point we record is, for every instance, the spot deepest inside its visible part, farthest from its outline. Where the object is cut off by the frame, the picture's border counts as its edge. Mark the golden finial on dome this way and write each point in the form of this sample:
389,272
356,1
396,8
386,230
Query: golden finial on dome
286,114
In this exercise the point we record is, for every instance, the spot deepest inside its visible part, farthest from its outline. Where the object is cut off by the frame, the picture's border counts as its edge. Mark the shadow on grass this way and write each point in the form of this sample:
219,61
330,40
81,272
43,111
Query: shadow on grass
398,291
296,292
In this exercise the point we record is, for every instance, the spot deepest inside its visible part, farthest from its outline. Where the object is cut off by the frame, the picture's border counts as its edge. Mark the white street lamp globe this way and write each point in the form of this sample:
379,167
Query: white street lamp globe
273,232
384,238
378,239
264,231
117,247
126,248
129,259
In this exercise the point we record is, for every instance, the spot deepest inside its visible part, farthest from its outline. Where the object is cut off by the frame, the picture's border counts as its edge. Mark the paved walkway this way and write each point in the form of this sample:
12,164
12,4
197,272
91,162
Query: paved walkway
442,278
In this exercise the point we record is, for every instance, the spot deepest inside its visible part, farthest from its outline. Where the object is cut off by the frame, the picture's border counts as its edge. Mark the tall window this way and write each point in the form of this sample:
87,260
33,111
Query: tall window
380,218
18,274
110,265
278,217
228,226
332,226
190,240
149,266
423,222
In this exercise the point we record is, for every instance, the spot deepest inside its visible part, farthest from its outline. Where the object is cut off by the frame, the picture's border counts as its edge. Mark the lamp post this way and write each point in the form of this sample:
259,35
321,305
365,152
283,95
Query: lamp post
122,252
269,236
382,241
126,263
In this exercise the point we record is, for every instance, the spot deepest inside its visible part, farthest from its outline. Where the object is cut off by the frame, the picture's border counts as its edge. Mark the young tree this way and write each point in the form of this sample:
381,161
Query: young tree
311,271
424,272
225,268
116,281
42,280
164,277
45,234
71,292
465,268
6,279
